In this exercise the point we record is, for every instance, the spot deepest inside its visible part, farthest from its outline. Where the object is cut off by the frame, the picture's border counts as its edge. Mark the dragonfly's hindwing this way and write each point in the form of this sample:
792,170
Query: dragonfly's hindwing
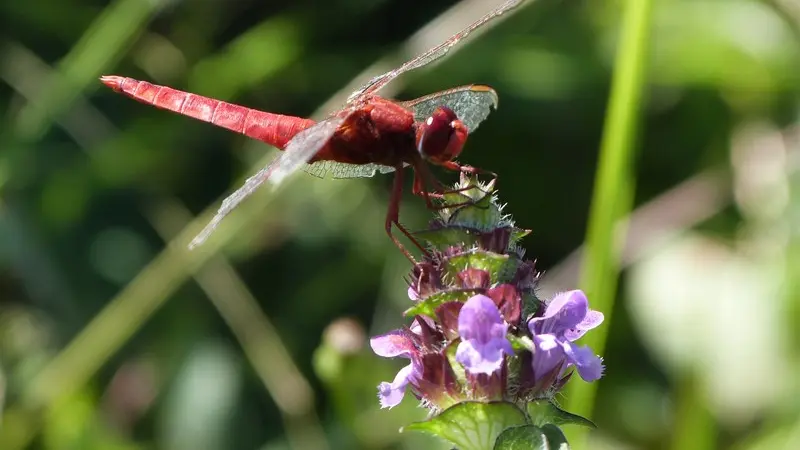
335,169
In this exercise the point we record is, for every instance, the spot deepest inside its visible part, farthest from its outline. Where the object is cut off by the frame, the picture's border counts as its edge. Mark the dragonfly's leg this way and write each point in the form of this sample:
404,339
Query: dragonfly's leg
454,166
418,188
424,177
422,173
393,218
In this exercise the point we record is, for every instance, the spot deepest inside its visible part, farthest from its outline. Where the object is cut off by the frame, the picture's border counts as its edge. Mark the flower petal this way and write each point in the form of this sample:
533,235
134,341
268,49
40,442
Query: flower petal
564,312
391,344
391,394
590,366
480,319
483,336
548,355
592,320
486,359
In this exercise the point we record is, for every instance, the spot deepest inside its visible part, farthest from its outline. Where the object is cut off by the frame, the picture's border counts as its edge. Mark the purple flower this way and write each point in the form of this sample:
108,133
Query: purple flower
566,319
429,375
389,345
483,336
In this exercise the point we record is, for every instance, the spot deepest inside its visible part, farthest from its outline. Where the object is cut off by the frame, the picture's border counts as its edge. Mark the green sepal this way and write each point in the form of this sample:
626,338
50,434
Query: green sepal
483,215
517,234
472,425
428,305
519,343
473,190
530,304
478,208
501,268
449,236
465,237
458,368
543,412
531,437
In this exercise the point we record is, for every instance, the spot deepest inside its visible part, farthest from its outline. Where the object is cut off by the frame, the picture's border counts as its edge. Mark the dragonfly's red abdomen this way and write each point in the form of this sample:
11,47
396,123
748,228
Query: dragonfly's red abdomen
274,129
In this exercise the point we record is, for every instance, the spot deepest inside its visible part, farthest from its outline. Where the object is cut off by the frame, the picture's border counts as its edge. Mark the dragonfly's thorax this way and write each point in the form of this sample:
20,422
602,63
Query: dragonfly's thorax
378,132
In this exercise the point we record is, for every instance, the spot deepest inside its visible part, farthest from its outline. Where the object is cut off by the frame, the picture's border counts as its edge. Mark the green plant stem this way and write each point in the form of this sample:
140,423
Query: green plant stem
694,423
614,188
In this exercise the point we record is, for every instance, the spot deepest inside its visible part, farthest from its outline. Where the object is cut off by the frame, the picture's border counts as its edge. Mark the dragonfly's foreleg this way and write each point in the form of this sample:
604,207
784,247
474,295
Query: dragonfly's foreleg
393,217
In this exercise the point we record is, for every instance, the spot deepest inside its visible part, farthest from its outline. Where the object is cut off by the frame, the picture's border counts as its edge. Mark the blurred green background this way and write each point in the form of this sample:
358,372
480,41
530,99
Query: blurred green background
113,338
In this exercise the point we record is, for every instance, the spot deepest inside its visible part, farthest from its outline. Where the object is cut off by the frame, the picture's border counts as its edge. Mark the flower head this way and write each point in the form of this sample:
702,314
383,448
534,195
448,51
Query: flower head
472,296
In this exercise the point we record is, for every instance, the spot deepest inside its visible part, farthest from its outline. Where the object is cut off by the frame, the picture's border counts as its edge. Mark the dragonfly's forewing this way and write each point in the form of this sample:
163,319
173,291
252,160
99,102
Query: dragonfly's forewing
375,84
297,153
472,104
335,169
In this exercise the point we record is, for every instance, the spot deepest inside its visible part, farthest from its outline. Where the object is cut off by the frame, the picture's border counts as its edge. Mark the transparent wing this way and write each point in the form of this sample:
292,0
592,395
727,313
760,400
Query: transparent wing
300,149
305,145
472,104
431,55
334,169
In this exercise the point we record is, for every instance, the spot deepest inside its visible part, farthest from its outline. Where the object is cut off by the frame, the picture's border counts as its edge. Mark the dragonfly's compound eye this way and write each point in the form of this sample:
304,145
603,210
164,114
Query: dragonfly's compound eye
441,137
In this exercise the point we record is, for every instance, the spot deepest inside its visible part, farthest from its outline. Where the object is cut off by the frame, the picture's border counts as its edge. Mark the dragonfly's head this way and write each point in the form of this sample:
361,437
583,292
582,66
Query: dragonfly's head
441,137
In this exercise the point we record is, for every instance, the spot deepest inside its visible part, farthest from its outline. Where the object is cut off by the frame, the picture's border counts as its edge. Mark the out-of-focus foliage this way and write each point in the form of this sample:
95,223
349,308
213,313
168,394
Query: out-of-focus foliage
107,340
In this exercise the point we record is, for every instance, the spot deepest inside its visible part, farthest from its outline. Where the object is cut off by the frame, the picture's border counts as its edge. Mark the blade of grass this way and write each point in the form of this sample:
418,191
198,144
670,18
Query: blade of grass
100,46
614,187
259,339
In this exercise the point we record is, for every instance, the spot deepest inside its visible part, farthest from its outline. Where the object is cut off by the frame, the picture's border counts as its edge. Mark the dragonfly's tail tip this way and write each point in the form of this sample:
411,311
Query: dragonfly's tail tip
112,81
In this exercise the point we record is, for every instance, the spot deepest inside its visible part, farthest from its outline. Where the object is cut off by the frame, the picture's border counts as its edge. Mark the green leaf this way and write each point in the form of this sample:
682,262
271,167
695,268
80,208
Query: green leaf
531,437
555,438
472,425
544,412
428,305
526,437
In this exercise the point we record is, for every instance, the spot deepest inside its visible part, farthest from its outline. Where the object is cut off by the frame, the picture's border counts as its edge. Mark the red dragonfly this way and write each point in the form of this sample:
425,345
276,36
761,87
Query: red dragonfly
369,134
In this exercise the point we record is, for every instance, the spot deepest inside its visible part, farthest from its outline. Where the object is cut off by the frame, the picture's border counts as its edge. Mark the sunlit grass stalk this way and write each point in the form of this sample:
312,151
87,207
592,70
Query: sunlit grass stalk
614,185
